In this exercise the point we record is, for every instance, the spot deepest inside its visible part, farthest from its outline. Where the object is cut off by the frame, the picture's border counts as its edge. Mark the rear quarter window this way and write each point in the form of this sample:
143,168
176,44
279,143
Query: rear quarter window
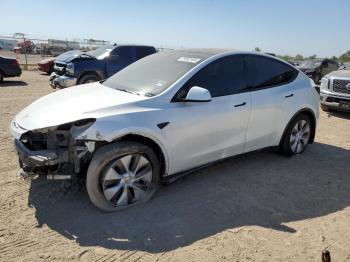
265,72
144,51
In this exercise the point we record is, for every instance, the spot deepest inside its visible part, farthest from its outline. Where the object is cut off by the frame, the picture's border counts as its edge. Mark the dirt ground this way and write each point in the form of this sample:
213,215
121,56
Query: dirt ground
262,207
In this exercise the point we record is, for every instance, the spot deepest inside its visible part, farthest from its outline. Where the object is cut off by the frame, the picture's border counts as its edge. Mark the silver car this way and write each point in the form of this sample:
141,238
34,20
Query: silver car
165,115
335,90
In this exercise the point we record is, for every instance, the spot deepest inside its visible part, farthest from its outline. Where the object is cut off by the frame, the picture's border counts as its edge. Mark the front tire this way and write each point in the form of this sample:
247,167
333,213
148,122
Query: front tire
121,175
1,77
297,136
88,79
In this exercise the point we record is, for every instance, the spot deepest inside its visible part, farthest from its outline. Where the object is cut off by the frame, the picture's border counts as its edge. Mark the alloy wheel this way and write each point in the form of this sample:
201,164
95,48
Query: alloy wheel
300,136
127,180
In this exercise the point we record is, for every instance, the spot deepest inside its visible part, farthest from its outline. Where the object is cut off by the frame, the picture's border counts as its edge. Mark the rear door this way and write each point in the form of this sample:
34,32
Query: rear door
273,100
119,58
200,133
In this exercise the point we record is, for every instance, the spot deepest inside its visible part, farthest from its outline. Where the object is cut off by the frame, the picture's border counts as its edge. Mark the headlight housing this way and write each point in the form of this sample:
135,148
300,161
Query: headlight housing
70,69
325,83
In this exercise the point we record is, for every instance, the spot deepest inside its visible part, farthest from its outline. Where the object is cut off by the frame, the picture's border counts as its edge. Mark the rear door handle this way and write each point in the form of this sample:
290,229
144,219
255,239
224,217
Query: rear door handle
243,104
289,95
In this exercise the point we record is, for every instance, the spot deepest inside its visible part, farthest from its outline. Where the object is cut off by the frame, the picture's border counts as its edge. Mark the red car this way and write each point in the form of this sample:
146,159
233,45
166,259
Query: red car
46,65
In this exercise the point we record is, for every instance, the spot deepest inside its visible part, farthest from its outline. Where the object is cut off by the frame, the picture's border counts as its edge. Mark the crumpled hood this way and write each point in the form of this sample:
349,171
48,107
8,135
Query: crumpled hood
69,56
71,104
339,73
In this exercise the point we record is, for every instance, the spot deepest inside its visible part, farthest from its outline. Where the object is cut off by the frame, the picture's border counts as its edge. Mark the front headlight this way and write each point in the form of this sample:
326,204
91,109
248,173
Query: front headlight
70,69
324,83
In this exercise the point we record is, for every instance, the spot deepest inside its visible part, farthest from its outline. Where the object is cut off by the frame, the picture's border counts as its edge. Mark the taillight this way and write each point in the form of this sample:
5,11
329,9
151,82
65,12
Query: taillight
14,63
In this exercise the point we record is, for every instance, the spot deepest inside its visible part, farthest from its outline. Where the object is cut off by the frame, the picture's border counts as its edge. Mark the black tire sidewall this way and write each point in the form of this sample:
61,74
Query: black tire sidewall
85,78
1,77
286,147
103,157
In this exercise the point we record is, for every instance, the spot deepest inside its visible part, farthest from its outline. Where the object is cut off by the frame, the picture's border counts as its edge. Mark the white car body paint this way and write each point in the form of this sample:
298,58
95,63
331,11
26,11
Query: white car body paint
197,133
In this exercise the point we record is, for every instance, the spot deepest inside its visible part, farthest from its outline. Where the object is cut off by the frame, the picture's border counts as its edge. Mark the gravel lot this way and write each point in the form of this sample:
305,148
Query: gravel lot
261,207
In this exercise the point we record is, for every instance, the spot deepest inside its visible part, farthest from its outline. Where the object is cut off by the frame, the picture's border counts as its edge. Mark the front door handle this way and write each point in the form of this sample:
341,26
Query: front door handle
243,104
289,95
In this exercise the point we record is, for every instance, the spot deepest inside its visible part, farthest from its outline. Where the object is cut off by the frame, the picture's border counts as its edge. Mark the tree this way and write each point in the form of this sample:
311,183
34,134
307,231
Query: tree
345,57
312,57
299,57
257,49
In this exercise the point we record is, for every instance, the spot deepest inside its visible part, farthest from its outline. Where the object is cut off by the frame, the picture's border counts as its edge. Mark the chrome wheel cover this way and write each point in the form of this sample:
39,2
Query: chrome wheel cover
300,136
127,180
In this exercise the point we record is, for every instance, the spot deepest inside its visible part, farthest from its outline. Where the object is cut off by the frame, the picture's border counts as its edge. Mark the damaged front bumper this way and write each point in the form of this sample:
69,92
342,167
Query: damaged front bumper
62,81
53,153
39,158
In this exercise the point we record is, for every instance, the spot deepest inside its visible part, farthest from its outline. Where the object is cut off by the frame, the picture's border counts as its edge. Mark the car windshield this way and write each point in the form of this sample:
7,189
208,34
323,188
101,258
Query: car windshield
155,73
101,52
311,63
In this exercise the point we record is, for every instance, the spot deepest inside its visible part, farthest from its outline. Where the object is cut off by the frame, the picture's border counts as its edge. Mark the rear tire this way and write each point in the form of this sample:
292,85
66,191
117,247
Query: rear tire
297,136
88,79
121,175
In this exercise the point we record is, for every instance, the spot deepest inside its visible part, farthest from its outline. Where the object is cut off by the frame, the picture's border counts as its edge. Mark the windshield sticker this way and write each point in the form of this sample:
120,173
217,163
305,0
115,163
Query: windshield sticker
160,83
188,60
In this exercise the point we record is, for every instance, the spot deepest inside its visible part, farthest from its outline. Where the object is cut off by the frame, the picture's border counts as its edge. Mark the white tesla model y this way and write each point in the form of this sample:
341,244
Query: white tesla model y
164,115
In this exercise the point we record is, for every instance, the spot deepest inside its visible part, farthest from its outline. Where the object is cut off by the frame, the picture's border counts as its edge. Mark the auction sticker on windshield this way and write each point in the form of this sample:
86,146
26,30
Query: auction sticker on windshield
188,60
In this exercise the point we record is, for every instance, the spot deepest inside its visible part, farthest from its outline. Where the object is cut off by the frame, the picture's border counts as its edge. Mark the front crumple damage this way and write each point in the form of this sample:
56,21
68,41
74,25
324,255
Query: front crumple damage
55,151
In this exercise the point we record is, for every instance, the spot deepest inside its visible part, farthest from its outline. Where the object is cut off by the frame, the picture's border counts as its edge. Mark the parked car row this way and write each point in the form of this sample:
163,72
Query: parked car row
317,68
75,68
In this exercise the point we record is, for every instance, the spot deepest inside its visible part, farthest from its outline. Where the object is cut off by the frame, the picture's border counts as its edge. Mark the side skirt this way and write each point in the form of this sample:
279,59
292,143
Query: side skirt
174,177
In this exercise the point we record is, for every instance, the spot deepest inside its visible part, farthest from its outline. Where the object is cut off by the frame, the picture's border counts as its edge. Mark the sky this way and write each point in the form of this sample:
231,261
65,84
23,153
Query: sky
291,27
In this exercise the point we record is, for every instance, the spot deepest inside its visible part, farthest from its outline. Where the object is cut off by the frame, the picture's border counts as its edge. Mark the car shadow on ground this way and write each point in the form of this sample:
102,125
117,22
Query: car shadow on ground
339,114
263,189
14,83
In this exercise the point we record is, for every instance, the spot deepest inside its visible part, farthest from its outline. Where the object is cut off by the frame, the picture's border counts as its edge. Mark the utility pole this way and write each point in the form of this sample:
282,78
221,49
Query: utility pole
21,36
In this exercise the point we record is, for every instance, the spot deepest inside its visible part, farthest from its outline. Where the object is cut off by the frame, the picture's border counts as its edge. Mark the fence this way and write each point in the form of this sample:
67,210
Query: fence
24,46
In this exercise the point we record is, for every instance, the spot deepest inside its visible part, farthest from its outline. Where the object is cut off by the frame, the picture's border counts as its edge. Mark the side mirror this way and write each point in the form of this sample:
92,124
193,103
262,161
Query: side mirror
198,94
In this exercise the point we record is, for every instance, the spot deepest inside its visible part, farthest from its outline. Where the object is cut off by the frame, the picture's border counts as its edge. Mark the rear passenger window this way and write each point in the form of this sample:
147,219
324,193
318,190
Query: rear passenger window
224,76
124,53
144,51
265,72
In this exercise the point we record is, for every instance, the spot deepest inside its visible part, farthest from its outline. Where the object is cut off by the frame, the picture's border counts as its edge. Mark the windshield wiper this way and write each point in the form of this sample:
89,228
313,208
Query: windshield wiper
127,91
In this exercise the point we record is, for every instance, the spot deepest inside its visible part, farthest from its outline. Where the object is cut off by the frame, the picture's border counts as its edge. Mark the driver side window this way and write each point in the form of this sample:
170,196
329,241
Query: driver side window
225,76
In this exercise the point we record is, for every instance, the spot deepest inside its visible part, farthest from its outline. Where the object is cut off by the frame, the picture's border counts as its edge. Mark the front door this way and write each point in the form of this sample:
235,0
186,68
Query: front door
202,132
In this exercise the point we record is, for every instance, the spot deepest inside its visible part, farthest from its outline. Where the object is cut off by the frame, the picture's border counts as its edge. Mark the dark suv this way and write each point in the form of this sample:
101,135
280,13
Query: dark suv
9,67
85,67
317,68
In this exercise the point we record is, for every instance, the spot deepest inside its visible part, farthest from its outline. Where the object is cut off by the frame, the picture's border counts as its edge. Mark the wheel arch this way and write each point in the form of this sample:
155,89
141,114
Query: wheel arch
85,73
311,115
155,145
